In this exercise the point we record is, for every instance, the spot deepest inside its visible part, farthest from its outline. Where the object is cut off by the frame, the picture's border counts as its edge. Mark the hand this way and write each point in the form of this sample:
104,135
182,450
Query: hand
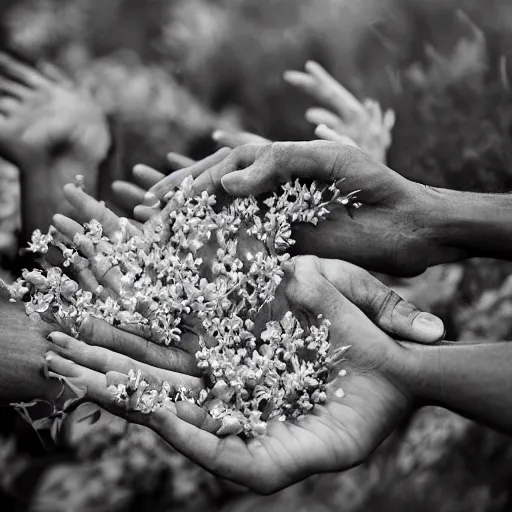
129,196
145,201
362,407
364,123
44,117
392,232
233,140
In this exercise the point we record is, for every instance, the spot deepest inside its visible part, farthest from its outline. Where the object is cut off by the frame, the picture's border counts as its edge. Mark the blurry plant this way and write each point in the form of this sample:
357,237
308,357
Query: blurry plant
468,61
152,111
12,463
114,472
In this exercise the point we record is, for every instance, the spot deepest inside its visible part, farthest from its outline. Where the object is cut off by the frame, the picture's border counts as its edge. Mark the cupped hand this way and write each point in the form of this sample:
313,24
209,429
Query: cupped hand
391,232
44,117
344,116
365,397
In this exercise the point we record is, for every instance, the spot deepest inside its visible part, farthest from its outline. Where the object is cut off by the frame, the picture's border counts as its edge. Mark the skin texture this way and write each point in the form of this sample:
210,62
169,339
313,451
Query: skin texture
342,433
338,435
390,233
384,380
402,228
469,378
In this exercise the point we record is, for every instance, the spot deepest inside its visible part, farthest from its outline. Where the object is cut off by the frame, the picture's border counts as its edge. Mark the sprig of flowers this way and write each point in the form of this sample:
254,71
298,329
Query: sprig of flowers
210,270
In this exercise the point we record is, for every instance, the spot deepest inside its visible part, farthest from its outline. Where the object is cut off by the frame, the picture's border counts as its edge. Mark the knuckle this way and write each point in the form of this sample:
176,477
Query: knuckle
345,159
306,286
383,302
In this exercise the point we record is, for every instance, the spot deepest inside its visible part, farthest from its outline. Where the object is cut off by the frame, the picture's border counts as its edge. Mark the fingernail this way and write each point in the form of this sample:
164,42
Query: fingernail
49,356
228,182
151,200
59,339
429,326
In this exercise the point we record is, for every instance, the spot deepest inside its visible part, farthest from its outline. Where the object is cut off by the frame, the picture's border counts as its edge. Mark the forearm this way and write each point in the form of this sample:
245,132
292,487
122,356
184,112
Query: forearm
470,224
22,349
472,379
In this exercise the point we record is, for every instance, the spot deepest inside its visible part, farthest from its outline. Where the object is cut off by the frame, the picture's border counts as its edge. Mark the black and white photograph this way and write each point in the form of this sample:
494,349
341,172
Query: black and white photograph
255,255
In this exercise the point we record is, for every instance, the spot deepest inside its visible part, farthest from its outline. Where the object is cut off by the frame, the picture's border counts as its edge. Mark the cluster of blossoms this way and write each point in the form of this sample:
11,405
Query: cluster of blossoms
207,273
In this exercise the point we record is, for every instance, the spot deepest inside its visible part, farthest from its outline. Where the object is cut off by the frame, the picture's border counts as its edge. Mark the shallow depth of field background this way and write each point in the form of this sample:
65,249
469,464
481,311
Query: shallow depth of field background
169,72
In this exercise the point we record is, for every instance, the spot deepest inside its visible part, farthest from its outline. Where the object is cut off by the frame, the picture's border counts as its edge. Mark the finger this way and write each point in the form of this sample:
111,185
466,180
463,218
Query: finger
389,119
225,457
325,133
54,73
106,274
301,80
94,383
8,105
68,228
21,73
318,116
173,180
91,209
333,94
100,333
233,140
144,213
312,293
161,420
476,31
103,360
177,423
381,304
197,416
177,161
12,88
146,176
128,195
282,162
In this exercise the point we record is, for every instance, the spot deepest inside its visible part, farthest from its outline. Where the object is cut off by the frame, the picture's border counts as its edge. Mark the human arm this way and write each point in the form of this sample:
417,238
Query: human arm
470,378
52,131
402,227
22,346
336,436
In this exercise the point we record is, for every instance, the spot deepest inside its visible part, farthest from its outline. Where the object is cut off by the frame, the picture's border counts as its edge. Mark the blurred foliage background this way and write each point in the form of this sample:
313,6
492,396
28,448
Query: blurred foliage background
168,72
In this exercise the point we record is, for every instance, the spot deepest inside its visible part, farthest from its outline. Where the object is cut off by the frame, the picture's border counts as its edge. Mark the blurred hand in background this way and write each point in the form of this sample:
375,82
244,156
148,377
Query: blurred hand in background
342,116
52,131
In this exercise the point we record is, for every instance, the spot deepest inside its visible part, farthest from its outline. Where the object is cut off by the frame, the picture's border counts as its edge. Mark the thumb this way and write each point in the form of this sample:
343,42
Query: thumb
381,304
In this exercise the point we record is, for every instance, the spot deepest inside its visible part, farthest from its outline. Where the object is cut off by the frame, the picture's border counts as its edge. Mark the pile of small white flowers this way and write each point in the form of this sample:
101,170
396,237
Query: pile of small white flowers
207,270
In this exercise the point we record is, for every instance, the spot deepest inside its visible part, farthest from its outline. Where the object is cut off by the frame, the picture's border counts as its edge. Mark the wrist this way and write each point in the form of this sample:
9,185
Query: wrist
403,368
467,224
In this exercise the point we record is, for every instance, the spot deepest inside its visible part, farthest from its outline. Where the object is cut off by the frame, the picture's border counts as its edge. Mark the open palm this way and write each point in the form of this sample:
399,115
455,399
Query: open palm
43,116
363,402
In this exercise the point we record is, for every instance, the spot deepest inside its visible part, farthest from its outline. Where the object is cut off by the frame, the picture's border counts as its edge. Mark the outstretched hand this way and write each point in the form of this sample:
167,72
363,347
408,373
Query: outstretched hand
344,117
44,117
363,405
393,230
